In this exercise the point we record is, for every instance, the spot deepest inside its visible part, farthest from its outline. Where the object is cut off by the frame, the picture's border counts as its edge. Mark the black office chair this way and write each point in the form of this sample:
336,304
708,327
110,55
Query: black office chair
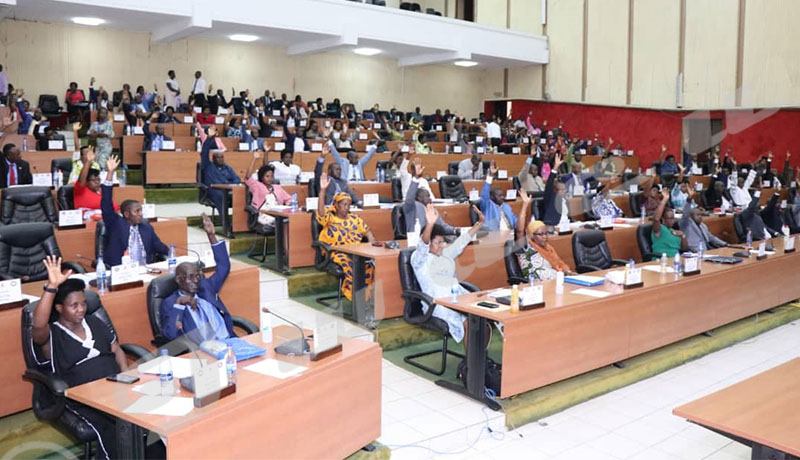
49,105
313,191
636,208
511,252
66,197
668,180
645,242
515,182
202,192
788,216
397,190
99,241
739,227
414,314
159,289
27,204
64,165
452,168
23,247
48,389
324,263
257,228
590,251
452,187
586,201
399,222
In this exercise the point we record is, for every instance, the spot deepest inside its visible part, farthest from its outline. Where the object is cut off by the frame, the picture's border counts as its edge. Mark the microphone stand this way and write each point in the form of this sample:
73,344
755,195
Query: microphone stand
292,347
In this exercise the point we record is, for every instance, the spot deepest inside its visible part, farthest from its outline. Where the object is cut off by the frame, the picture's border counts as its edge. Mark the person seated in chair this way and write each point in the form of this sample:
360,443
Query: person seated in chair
128,232
337,184
195,309
529,178
602,205
80,349
650,199
605,167
754,223
154,141
285,170
772,215
86,193
406,177
471,168
696,231
43,144
499,215
13,169
216,171
352,167
556,204
739,186
434,264
264,191
340,226
680,191
417,199
538,256
576,179
666,240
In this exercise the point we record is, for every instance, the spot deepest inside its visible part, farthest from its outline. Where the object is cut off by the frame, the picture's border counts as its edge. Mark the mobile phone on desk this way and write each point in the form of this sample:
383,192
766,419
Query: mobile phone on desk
123,378
487,305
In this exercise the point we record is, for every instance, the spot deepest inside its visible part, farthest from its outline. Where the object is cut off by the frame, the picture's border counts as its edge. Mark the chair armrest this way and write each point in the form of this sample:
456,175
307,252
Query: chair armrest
619,262
251,209
244,323
74,266
649,256
140,353
318,246
424,298
56,386
587,268
516,280
6,276
469,286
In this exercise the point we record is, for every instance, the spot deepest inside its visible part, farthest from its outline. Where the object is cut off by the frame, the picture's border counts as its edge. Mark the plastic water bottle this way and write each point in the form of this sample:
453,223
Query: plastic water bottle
172,261
455,288
101,276
663,263
56,183
230,365
165,375
123,180
701,249
417,228
631,263
25,144
293,202
676,264
531,279
749,240
643,215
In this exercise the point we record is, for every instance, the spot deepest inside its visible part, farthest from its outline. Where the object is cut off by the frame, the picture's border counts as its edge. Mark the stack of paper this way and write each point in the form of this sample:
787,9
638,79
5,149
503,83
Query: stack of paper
181,367
275,368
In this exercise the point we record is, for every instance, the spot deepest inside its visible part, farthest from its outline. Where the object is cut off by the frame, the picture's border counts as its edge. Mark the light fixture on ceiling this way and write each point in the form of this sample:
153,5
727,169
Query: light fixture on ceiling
243,38
367,51
86,21
466,63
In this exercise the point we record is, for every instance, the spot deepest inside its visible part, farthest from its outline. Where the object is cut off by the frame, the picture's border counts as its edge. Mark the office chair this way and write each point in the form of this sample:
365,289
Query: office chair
452,187
414,314
324,263
511,252
515,182
645,242
397,190
788,216
22,205
64,165
739,227
23,247
66,197
257,228
399,222
452,168
202,192
636,208
48,389
49,105
586,201
590,251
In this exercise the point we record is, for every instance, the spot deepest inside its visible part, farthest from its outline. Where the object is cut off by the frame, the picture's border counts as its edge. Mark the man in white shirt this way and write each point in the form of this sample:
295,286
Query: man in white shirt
406,177
493,132
199,90
471,168
739,187
285,171
171,95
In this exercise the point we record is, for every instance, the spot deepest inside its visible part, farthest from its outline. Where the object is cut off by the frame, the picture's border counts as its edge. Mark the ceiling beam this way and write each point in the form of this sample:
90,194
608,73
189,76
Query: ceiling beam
434,58
199,21
320,46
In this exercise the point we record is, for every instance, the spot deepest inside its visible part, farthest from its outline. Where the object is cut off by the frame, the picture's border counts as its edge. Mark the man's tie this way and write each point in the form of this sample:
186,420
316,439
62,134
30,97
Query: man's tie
12,179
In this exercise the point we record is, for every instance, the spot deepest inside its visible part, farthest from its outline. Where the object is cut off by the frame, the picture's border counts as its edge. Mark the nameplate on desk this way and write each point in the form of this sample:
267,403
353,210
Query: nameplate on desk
583,151
316,147
515,150
649,171
440,174
327,123
138,130
766,184
222,111
794,184
197,109
70,218
244,146
124,274
511,194
633,278
119,117
589,142
691,266
280,146
697,171
578,190
76,155
784,204
526,140
634,188
531,297
148,211
168,145
304,122
474,195
377,126
210,378
457,149
362,136
55,145
219,120
207,257
478,138
277,134
788,243
628,170
404,149
762,251
10,291
502,174
550,133
311,204
481,150
542,141
606,222
564,228
325,337
42,179
103,175
306,176
757,194
276,113
698,186
187,119
371,199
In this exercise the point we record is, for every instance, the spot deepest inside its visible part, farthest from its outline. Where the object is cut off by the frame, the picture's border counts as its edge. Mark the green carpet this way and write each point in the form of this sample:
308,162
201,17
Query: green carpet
541,402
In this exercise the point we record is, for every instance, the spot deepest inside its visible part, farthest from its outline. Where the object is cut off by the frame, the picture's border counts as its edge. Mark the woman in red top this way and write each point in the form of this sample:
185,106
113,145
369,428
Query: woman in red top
87,187
206,118
74,95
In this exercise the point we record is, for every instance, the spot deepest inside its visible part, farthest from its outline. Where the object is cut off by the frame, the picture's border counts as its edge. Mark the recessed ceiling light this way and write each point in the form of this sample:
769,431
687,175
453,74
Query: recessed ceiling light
88,21
243,38
367,51
466,63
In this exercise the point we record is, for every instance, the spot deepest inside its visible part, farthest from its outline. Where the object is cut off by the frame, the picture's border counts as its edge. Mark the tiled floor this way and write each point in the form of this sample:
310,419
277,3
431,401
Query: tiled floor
421,420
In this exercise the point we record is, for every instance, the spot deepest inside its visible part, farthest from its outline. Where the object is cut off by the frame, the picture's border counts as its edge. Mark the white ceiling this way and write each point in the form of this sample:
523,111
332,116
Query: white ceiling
303,27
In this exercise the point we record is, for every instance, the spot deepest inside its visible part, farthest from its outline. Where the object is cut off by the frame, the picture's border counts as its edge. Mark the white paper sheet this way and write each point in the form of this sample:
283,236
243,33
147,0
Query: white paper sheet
181,367
499,293
151,388
161,405
591,293
657,268
275,368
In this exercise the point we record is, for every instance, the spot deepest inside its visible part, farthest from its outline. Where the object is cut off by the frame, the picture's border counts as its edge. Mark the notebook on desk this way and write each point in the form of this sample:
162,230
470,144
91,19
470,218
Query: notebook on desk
585,280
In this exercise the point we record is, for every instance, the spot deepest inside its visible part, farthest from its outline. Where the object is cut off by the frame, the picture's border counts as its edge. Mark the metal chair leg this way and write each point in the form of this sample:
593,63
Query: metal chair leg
444,351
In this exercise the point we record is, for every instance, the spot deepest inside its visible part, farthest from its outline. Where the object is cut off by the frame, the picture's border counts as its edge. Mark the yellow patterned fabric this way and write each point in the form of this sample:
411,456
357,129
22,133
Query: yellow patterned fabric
337,231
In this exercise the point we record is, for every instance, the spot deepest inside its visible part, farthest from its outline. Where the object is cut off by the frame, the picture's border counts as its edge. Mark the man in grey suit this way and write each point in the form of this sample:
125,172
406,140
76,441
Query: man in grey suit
471,168
414,206
696,232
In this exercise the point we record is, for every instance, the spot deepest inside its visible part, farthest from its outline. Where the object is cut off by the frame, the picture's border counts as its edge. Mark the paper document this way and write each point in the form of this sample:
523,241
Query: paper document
591,293
181,367
657,268
499,293
161,405
275,368
151,388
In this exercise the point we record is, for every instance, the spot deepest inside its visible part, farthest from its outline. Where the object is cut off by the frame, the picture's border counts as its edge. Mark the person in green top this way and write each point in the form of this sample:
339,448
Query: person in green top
666,240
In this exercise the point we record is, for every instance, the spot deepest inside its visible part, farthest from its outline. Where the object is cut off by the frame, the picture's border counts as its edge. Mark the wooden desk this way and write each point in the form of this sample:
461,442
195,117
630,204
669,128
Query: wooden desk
331,410
128,311
593,332
167,167
40,160
80,241
762,412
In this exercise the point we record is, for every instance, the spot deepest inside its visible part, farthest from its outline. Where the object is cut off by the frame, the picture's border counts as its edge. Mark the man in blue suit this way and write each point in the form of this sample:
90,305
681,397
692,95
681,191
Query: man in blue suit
127,232
499,215
195,309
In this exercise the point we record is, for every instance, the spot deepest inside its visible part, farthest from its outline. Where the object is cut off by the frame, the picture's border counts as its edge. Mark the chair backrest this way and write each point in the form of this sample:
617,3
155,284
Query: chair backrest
63,164
668,180
452,187
397,189
48,103
23,247
644,239
399,222
629,176
412,310
515,183
316,228
99,239
27,204
312,189
66,197
510,252
383,164
788,216
589,247
452,168
159,289
739,227
586,200
252,218
634,200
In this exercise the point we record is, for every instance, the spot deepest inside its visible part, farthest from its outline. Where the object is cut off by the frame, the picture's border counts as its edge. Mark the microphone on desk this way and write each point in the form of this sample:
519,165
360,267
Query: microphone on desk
199,262
292,347
188,382
92,262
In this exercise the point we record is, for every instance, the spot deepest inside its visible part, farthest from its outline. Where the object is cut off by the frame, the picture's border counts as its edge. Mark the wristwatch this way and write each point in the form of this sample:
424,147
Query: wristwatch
46,288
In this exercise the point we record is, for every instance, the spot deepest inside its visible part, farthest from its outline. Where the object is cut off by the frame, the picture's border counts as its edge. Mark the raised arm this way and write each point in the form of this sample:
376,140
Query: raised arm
523,214
87,165
481,219
659,212
323,187
371,149
41,315
251,167
431,214
211,141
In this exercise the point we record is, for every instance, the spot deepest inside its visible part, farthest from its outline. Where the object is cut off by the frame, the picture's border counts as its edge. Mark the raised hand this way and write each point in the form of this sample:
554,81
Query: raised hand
91,81
212,130
208,225
526,199
324,181
54,275
431,214
481,217
326,150
558,161
111,164
76,126
681,167
418,168
665,194
90,155
663,148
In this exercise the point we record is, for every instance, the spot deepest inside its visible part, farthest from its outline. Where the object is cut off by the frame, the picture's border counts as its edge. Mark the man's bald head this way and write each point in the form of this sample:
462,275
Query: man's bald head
188,276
